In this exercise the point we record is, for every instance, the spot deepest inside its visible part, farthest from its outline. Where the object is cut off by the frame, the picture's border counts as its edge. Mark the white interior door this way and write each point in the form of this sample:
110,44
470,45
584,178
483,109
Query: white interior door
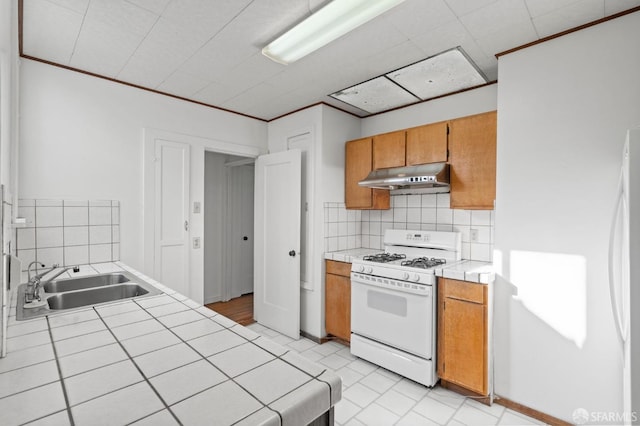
277,242
171,235
240,229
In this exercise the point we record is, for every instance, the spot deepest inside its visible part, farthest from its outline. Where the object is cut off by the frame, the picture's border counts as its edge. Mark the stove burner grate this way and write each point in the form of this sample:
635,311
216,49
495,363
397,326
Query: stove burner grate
384,257
423,262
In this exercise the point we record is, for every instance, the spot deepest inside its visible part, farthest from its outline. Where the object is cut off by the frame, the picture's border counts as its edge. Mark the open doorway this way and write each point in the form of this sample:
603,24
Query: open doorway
228,235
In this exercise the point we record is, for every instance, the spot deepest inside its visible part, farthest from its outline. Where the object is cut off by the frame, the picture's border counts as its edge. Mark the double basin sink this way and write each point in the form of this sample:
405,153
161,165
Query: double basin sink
73,293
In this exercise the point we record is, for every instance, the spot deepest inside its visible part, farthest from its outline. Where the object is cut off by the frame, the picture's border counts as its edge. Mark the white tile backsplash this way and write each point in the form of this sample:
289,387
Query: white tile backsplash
68,232
427,212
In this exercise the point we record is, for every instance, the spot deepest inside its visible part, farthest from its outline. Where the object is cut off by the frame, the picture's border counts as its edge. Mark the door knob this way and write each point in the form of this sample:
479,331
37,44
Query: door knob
245,238
292,253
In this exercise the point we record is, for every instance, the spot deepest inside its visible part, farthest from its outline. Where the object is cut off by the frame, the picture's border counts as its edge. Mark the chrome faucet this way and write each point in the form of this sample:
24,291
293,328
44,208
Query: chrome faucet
33,287
30,265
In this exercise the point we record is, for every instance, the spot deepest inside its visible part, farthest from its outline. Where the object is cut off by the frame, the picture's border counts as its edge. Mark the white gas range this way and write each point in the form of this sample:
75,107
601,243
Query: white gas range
393,301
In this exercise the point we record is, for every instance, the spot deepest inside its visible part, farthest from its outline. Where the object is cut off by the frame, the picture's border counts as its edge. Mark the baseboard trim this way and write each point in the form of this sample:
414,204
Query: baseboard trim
318,340
527,411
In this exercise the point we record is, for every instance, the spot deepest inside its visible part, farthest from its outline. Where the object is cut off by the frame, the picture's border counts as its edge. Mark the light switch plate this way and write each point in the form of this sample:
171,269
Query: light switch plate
196,242
196,207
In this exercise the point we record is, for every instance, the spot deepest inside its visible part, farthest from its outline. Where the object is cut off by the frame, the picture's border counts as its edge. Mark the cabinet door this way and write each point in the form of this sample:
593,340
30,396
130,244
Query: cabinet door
472,156
338,306
462,334
427,144
389,150
358,164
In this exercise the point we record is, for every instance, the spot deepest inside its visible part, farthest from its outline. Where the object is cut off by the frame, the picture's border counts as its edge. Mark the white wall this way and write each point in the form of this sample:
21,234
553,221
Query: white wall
563,110
471,102
82,138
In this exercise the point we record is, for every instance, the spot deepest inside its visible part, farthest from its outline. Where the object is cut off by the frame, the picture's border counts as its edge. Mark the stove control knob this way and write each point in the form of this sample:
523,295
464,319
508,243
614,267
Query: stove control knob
368,270
405,276
416,278
360,268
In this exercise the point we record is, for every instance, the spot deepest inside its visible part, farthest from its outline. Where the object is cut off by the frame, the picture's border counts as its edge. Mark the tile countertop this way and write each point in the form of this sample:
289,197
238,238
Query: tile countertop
465,270
161,359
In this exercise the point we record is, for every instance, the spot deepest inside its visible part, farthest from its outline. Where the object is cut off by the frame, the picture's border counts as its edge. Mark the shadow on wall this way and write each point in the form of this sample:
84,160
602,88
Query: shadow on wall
540,331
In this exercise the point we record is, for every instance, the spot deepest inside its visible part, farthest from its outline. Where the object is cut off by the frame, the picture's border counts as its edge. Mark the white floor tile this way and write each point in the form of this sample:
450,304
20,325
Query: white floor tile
361,395
345,410
469,415
447,397
312,355
377,382
362,366
328,348
302,345
396,402
434,410
374,415
414,419
349,376
516,419
411,389
495,410
334,361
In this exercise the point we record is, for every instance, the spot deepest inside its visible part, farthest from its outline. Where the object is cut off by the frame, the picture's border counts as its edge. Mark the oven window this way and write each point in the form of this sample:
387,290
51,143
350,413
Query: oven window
395,305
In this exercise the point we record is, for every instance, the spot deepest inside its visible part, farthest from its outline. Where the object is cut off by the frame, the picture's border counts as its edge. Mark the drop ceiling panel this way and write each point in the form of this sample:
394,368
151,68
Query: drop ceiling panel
182,84
542,7
495,17
568,17
121,15
506,37
50,31
155,6
79,6
462,7
416,18
375,95
614,6
103,49
445,73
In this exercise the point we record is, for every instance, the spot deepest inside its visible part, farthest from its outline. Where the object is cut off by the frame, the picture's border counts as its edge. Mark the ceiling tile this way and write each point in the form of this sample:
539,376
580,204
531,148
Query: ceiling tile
182,84
42,20
445,73
505,38
462,7
203,17
495,17
541,7
614,6
416,17
122,15
155,6
79,6
260,91
103,49
375,95
216,93
568,17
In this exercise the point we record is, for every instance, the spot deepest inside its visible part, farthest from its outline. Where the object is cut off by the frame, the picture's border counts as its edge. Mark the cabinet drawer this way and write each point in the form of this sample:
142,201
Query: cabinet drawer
476,293
338,268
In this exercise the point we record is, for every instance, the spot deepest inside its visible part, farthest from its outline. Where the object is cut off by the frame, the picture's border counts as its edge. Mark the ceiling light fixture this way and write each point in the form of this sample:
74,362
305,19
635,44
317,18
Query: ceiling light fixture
327,24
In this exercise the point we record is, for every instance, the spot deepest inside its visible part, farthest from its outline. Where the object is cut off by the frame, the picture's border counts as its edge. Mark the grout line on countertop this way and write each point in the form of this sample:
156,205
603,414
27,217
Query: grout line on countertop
62,382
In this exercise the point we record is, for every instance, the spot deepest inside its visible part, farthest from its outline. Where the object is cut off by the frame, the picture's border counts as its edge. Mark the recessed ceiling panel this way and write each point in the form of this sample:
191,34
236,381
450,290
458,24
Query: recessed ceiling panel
445,73
375,95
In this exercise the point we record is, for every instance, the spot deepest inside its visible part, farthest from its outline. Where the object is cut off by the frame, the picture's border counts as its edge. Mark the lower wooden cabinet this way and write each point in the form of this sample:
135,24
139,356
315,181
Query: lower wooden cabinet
463,334
338,299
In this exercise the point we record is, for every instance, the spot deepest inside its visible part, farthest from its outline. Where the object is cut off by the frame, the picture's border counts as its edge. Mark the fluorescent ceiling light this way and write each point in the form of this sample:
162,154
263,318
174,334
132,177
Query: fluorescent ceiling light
332,21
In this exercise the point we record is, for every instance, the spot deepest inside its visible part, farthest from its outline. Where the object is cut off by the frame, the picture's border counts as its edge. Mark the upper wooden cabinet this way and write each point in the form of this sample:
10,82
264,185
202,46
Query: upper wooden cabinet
389,150
472,156
427,144
358,164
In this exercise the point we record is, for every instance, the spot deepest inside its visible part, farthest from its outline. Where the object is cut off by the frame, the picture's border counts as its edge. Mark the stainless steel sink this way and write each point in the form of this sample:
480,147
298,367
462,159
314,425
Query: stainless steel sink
109,293
70,284
74,293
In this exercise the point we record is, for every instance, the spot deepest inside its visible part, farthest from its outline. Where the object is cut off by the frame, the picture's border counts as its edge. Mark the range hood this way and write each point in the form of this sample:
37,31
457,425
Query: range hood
433,177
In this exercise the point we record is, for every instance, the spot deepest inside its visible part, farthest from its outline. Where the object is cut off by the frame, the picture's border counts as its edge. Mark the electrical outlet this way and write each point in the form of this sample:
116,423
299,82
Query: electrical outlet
196,242
473,235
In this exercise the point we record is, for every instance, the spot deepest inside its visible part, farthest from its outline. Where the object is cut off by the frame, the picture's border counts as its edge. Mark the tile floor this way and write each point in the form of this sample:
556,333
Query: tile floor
374,396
